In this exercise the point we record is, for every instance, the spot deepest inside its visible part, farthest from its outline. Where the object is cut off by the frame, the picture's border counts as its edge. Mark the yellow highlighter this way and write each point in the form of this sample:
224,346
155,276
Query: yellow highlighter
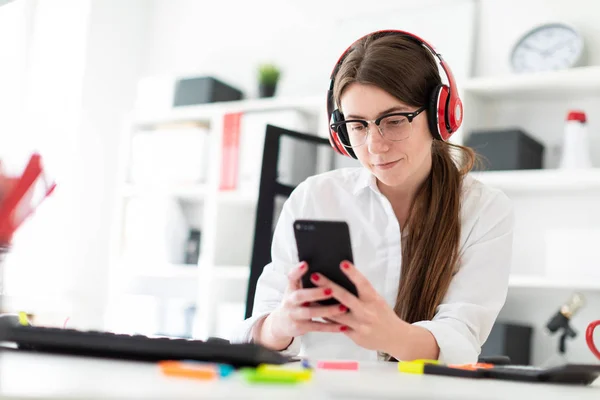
283,372
415,366
23,320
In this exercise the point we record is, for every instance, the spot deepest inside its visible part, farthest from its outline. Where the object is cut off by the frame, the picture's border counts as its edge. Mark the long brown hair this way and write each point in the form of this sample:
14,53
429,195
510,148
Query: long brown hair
408,71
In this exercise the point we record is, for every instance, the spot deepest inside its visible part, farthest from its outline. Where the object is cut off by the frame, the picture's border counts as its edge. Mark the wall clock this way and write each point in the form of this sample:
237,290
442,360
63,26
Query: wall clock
548,47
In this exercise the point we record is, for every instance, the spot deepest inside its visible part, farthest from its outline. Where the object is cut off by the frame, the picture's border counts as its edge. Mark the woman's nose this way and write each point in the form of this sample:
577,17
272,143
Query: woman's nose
375,141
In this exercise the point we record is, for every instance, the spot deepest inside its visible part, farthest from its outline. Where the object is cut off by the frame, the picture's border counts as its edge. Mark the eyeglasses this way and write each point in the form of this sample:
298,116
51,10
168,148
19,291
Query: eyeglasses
394,126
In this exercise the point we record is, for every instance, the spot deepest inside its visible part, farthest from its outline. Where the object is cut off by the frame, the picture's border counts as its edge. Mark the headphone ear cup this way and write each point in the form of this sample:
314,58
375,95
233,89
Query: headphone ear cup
339,137
433,113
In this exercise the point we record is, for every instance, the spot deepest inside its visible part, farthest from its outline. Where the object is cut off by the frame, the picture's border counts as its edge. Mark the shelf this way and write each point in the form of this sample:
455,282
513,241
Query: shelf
532,282
238,197
205,112
541,180
193,192
544,85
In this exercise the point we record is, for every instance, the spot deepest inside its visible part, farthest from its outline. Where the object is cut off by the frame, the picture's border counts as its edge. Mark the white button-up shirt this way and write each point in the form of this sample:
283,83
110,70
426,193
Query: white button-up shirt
477,291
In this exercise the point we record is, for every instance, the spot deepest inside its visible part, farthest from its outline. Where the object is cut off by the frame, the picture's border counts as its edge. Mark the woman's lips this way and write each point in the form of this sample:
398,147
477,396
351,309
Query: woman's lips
384,166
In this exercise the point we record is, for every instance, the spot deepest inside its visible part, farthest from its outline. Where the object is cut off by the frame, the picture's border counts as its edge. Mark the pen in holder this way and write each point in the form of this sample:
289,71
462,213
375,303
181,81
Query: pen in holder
560,321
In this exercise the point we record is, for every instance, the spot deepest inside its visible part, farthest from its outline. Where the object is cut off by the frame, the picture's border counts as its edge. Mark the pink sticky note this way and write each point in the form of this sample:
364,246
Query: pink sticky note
341,365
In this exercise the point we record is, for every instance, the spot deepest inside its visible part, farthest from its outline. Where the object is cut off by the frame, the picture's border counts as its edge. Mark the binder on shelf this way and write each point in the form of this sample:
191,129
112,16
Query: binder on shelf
230,151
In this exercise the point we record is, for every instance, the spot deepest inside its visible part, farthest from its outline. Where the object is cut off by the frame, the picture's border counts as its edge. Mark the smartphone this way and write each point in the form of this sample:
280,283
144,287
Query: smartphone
324,245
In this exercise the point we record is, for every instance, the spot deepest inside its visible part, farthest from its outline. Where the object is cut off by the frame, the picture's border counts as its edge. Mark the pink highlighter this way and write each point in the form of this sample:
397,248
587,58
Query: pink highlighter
339,365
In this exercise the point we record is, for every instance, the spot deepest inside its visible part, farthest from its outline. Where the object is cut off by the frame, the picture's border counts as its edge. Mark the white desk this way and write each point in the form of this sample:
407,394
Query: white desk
29,375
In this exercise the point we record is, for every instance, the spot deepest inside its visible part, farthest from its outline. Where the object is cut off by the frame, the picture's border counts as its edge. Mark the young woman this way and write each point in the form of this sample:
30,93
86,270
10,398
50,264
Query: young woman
432,246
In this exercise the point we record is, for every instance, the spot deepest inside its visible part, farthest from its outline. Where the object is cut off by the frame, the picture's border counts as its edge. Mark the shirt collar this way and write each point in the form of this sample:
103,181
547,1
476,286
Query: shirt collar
365,180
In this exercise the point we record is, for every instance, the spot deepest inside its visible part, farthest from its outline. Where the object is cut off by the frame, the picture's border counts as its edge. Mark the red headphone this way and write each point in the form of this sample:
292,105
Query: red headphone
444,113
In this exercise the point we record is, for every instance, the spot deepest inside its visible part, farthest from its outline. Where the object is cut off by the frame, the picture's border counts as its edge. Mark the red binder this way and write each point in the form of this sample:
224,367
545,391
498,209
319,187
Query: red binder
21,195
230,151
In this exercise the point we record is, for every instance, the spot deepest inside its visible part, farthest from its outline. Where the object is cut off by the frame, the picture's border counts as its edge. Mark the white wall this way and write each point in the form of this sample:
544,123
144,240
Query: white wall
304,37
115,46
79,69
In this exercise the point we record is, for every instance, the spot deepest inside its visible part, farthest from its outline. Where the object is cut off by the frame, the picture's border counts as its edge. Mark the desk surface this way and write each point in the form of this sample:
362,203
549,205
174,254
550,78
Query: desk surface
28,375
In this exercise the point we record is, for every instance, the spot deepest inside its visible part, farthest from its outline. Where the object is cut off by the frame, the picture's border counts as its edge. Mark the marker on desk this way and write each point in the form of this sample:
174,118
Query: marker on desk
176,368
339,365
254,375
277,370
23,320
415,366
224,369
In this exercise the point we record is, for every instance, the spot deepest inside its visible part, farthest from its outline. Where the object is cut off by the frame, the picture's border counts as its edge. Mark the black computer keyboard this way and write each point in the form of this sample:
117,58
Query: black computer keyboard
139,347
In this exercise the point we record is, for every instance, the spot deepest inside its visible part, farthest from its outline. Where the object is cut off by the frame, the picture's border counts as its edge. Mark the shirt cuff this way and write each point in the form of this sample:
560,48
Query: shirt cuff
244,335
455,348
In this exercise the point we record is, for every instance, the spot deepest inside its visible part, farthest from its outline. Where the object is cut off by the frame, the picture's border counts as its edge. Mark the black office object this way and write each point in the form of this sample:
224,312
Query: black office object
574,374
204,89
269,190
192,249
139,347
506,149
510,339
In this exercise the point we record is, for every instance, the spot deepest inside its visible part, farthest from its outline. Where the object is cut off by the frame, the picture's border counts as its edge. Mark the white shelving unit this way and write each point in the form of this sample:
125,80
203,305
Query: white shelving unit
225,217
550,198
539,282
570,83
532,181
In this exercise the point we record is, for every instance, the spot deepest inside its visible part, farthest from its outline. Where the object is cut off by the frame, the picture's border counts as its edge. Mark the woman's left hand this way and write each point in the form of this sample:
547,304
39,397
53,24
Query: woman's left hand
370,322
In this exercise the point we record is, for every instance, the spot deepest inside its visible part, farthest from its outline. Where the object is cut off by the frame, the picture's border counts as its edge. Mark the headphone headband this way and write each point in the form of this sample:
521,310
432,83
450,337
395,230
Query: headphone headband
448,107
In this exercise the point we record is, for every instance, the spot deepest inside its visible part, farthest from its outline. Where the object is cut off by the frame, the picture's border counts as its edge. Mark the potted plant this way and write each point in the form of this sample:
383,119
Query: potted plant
268,76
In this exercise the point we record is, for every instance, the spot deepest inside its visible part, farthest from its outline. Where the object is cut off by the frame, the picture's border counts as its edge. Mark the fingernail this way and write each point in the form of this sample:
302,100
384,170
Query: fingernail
314,277
328,291
343,328
305,304
345,265
343,308
303,265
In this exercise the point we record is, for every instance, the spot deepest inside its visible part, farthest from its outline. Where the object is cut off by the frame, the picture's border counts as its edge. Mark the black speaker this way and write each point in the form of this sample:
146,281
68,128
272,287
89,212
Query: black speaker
506,149
512,340
202,90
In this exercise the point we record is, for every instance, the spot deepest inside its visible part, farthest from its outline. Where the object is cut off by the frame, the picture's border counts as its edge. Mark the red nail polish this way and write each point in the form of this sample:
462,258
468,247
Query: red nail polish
343,328
328,292
314,277
303,266
343,308
345,265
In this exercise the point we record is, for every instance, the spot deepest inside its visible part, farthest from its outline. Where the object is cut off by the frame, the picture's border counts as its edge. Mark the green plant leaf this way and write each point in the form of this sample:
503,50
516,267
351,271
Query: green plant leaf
268,74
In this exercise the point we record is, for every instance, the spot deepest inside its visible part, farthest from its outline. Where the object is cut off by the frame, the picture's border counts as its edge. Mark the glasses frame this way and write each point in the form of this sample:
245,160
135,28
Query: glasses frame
365,122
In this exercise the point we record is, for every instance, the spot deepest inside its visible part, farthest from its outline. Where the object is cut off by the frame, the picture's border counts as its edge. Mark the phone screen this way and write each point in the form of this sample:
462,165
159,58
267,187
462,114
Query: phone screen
324,245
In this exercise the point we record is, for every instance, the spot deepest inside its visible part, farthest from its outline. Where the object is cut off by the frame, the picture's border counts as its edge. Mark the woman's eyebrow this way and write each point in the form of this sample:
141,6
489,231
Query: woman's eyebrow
389,110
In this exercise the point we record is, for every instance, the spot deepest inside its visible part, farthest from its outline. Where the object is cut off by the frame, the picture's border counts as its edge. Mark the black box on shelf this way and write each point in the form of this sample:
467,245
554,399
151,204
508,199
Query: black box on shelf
506,149
202,90
509,339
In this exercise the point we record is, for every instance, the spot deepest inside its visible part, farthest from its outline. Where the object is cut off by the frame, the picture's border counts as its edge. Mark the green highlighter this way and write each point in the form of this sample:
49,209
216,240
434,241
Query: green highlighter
272,375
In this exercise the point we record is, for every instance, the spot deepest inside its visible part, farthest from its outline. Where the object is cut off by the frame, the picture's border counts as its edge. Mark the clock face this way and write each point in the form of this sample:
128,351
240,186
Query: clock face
548,47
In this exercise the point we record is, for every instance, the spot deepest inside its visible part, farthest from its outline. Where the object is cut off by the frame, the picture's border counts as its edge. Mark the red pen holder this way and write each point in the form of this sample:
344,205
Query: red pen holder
589,338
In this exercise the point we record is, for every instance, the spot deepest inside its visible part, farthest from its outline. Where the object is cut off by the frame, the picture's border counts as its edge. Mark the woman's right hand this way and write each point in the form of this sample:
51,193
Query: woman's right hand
295,314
